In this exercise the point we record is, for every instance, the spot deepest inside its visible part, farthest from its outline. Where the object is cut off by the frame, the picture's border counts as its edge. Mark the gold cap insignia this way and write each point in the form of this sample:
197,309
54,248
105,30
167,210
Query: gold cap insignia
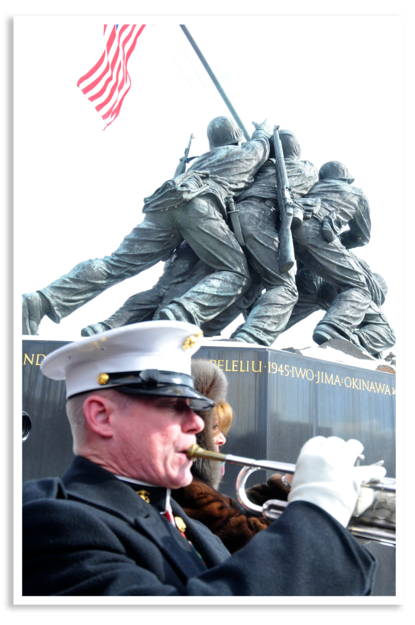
180,524
192,340
103,378
144,495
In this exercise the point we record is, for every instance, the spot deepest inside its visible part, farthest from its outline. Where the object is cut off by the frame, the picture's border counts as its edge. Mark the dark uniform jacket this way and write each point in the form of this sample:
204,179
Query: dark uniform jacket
90,534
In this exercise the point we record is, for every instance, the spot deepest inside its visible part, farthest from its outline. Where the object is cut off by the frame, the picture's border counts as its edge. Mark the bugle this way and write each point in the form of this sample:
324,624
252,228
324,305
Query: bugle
377,527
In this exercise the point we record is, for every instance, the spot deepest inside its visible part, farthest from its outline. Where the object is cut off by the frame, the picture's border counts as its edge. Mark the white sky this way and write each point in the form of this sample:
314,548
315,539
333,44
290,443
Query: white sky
334,81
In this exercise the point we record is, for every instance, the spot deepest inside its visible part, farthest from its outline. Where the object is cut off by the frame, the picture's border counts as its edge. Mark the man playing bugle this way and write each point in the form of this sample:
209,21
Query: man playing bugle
110,525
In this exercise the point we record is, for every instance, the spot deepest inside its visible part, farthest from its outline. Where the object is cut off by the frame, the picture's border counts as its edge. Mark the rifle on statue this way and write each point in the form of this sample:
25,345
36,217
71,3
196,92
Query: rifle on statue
286,256
181,167
233,214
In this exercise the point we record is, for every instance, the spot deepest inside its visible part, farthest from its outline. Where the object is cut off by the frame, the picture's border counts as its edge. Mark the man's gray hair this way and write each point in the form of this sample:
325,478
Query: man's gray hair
76,417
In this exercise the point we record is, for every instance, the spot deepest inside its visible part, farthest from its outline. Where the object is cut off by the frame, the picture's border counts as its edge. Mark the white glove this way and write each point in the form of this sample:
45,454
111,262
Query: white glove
325,475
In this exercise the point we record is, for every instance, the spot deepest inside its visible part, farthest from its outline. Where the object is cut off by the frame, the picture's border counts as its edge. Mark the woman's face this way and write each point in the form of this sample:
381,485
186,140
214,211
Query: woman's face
219,438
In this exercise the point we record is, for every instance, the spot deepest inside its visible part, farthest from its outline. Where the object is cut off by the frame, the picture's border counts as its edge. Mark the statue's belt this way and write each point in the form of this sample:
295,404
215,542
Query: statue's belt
264,200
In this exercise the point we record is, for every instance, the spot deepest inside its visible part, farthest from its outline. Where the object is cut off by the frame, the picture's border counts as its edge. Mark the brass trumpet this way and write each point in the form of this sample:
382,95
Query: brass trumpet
373,528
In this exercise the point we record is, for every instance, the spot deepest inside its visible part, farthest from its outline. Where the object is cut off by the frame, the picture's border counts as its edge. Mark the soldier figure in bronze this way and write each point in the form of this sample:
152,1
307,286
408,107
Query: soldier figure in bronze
373,335
322,245
181,272
190,207
209,279
259,223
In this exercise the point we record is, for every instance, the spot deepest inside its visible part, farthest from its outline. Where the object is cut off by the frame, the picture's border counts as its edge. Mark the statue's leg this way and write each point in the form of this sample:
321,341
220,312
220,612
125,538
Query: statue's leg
375,334
309,300
178,288
333,263
150,242
186,277
202,226
269,316
240,307
271,312
139,307
143,306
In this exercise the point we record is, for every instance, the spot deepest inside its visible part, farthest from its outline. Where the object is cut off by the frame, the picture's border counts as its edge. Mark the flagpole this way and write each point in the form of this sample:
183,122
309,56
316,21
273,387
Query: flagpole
215,81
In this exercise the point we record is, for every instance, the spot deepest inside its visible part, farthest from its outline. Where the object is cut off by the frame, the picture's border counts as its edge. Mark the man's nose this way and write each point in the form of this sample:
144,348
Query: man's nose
193,423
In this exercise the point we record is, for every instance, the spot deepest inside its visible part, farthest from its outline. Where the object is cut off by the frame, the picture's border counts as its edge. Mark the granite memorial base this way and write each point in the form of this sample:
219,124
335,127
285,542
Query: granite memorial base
280,400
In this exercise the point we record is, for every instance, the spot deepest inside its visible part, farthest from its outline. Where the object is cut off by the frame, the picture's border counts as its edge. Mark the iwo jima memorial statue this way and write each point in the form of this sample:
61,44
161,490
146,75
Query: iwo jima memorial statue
248,228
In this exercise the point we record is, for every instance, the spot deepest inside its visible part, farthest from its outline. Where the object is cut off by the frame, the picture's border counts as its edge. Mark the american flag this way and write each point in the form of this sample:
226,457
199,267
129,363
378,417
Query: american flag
108,82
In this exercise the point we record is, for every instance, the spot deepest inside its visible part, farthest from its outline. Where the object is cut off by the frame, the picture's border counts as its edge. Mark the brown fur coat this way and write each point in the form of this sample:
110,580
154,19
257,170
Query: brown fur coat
219,513
222,514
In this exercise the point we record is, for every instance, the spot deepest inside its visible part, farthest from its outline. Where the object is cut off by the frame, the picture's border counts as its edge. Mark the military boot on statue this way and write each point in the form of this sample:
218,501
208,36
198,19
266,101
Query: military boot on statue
323,333
95,328
34,307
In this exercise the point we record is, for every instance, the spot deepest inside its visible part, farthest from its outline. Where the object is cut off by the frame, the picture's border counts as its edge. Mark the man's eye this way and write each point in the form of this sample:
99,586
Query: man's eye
179,405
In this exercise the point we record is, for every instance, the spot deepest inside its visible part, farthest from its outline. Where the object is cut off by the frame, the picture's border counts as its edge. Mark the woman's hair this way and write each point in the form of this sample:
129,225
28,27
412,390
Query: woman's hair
224,413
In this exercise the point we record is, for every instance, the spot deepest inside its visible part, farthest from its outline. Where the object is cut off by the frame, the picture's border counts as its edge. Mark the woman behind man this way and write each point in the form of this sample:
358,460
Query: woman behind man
201,500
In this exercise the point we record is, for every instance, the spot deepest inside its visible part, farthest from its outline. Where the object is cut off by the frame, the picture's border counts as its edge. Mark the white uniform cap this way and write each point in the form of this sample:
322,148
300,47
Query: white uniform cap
160,350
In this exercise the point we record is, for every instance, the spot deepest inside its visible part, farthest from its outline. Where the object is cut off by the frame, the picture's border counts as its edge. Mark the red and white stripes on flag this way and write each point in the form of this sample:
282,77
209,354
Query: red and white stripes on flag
108,82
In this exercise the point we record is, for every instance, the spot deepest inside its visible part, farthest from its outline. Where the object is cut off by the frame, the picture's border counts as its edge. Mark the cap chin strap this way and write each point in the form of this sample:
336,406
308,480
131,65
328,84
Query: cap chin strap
146,377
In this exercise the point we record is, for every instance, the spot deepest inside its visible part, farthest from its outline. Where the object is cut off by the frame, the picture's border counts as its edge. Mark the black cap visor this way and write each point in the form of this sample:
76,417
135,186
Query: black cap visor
159,384
197,401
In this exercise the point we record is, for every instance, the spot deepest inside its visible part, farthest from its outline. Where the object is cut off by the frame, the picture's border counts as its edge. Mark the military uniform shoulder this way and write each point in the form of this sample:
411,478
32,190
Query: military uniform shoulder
356,191
49,488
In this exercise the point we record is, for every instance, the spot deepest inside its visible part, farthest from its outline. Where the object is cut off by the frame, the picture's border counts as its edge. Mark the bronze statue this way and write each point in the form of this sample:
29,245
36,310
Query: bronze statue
341,221
259,222
373,335
213,273
190,207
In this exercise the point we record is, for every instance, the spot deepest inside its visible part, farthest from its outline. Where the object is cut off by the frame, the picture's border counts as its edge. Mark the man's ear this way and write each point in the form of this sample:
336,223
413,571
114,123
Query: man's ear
98,411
